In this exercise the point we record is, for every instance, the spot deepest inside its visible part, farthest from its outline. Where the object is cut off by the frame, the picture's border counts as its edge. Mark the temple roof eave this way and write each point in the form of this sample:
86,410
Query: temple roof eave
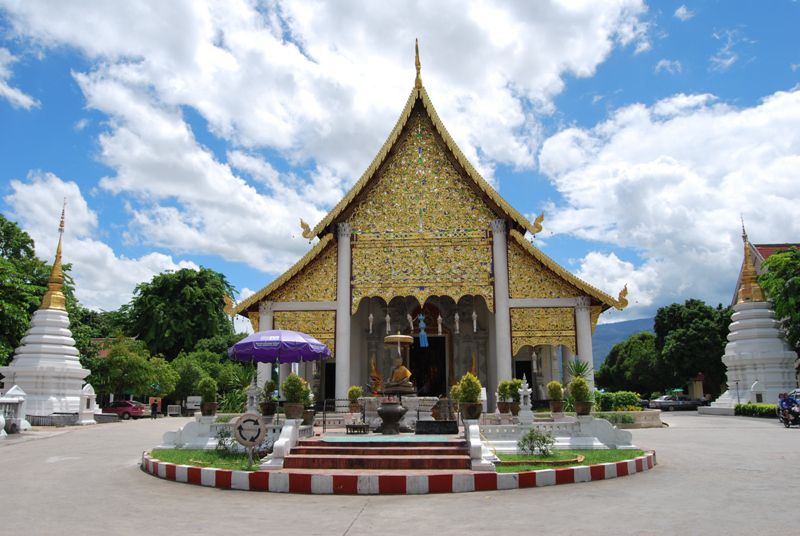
518,221
601,297
243,307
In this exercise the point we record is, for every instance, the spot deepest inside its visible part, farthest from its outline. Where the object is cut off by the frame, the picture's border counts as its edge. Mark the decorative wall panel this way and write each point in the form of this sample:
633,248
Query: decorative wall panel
420,229
551,325
319,324
529,278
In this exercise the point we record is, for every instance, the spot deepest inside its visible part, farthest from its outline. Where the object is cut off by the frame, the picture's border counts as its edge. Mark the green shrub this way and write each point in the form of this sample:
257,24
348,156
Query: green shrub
534,441
654,395
579,389
578,369
455,391
267,394
469,389
625,399
555,391
616,418
755,410
604,401
504,391
295,389
354,393
513,391
207,388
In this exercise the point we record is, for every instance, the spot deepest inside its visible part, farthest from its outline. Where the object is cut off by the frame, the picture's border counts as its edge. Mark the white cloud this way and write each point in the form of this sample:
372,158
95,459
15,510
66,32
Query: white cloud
14,96
103,279
724,58
683,13
316,83
669,182
669,66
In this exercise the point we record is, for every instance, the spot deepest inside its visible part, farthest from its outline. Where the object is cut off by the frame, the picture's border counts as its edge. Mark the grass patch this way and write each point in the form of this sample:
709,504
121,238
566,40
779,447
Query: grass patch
204,458
592,457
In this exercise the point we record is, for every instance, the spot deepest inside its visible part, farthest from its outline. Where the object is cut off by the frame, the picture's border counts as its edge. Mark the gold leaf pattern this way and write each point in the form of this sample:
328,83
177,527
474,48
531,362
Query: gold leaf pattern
550,325
529,278
315,282
319,324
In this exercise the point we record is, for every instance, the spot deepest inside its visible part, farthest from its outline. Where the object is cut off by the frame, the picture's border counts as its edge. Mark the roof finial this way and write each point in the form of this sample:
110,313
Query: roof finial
54,298
418,81
744,233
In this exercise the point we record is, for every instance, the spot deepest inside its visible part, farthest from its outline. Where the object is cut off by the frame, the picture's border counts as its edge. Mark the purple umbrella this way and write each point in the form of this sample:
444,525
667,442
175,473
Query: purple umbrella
278,346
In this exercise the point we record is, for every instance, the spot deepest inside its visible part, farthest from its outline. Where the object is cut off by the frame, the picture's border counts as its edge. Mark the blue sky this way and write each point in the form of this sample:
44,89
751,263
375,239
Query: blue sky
198,133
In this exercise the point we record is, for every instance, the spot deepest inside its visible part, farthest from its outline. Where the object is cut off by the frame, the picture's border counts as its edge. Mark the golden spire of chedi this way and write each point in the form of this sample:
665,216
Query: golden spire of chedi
418,81
54,298
750,290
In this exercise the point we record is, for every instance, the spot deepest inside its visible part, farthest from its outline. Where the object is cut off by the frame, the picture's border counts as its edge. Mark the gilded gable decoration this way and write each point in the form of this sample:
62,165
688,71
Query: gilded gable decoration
535,326
319,324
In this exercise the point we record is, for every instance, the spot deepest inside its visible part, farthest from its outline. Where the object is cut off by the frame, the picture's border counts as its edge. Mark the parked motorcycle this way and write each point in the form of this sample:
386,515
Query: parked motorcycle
790,416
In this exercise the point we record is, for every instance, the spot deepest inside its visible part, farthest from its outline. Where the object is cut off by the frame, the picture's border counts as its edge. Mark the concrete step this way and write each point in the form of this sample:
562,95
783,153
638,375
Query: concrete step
380,450
338,461
380,444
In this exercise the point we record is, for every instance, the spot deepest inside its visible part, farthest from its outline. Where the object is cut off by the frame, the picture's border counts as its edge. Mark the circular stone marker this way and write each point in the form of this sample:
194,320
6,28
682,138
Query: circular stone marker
248,430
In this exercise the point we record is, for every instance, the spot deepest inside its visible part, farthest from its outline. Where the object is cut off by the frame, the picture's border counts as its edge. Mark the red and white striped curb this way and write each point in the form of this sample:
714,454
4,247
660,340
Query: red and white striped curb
374,484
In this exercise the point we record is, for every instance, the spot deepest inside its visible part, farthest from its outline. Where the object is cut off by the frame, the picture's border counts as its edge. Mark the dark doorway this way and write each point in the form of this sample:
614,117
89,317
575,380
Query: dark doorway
523,367
428,366
329,391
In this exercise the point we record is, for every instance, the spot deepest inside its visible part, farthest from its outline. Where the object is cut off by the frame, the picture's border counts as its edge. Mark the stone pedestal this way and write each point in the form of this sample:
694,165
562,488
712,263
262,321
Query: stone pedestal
88,405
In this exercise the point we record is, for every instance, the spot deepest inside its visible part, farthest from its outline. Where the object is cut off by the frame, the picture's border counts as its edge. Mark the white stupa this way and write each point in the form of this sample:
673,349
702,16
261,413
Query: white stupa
760,362
46,364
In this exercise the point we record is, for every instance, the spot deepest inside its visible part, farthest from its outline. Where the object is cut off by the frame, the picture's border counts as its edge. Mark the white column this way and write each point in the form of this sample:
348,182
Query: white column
265,323
343,298
502,319
283,371
583,326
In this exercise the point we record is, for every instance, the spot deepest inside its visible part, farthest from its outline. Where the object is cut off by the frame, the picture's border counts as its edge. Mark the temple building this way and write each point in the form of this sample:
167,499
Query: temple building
421,236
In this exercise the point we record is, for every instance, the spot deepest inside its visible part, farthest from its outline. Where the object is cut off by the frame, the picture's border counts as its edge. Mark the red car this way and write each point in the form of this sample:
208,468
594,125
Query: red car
126,409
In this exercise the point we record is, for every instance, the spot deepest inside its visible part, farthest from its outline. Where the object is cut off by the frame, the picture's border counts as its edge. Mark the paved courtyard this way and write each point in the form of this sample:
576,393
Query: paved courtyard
716,475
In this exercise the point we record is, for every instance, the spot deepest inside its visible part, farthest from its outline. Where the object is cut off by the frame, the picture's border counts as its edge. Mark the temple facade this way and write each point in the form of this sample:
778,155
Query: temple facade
422,236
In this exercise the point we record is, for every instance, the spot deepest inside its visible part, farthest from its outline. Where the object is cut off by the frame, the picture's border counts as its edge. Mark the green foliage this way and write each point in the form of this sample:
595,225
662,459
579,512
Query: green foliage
126,370
603,401
555,391
577,368
756,410
504,390
632,364
781,282
534,442
354,393
455,391
469,389
177,309
513,390
163,378
623,399
616,418
267,393
233,401
207,388
295,389
579,389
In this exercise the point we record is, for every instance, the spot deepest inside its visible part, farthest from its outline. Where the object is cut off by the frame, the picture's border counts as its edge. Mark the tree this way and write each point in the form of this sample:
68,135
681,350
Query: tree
690,339
632,365
781,282
130,370
23,282
177,309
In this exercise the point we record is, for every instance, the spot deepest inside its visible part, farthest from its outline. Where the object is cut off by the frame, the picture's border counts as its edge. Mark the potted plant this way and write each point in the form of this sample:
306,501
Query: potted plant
579,390
513,393
469,392
207,388
455,395
353,394
503,404
267,400
296,392
555,392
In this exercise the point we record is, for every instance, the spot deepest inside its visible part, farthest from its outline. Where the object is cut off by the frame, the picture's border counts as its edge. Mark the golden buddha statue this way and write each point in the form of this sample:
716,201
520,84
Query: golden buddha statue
400,382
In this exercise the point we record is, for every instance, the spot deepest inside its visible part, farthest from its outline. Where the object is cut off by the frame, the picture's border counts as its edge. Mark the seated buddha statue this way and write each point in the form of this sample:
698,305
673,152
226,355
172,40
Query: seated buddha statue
400,382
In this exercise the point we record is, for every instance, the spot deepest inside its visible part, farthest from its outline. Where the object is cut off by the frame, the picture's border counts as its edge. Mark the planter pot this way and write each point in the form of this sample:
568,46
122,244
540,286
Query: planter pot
390,414
269,408
471,410
308,416
514,408
355,407
583,407
556,406
503,407
294,410
208,408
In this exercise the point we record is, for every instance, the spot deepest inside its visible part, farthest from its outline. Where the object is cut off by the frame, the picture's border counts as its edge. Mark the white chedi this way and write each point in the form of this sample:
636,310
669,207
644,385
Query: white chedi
46,364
